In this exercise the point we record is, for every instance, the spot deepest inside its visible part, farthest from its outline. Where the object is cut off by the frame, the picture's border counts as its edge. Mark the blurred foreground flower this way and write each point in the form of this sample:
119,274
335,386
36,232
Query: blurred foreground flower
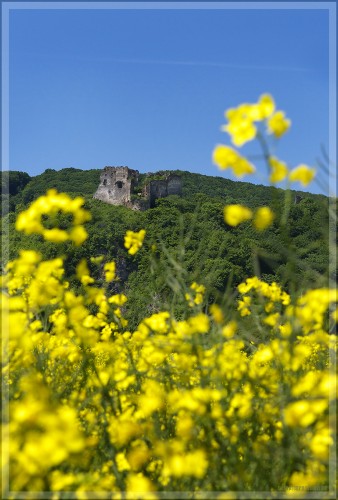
51,205
264,217
302,174
279,170
134,241
236,214
226,157
278,125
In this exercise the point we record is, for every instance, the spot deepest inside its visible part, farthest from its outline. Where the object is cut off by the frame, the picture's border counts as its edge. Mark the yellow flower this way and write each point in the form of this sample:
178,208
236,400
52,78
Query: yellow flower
123,429
82,273
263,218
272,319
236,214
285,329
109,269
134,241
55,235
152,399
184,425
139,486
198,294
226,157
122,462
302,174
229,330
242,404
199,323
279,170
266,106
278,124
249,284
118,299
30,221
78,234
138,455
321,443
243,306
303,412
242,167
263,355
217,314
262,109
240,128
157,322
96,260
189,464
312,307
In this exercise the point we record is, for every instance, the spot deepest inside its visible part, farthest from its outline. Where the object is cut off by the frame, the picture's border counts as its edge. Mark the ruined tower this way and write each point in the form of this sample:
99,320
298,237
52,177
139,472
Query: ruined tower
155,189
116,185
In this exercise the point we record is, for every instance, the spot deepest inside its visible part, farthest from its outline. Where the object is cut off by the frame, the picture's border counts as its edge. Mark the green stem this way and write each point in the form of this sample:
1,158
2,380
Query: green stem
265,148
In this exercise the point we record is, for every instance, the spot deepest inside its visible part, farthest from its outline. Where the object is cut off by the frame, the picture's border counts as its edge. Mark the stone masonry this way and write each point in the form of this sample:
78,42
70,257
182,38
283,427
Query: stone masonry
118,184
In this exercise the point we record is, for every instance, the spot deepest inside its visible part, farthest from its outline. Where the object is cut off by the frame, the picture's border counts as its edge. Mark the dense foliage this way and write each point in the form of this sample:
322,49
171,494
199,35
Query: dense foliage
188,348
189,230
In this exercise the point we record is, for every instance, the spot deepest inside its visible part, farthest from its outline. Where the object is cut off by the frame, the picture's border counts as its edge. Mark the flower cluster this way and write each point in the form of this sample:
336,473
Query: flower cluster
53,203
174,404
195,295
134,241
242,128
227,157
236,214
241,120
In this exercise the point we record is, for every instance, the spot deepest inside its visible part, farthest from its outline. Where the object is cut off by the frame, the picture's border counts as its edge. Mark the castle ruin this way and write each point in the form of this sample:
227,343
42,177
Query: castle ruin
121,186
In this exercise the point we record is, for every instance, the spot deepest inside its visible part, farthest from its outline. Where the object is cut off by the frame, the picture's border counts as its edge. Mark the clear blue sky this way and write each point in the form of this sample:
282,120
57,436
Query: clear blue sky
148,88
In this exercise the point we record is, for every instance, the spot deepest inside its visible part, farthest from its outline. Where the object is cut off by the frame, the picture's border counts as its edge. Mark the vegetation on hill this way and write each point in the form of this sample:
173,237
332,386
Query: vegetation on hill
189,229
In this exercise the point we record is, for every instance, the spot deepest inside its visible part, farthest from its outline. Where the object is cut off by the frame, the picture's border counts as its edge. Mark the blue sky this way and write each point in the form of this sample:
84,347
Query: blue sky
148,88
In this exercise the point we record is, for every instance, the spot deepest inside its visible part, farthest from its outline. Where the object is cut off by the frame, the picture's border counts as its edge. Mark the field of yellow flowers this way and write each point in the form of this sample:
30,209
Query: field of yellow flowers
219,404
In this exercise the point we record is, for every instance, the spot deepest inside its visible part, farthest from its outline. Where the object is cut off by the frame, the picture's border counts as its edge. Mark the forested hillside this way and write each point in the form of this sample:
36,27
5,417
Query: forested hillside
187,236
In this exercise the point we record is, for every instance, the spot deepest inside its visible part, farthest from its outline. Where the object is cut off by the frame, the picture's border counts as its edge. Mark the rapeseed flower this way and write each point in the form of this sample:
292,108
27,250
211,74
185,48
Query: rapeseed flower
216,313
240,125
197,295
139,486
134,241
263,218
192,463
278,125
30,221
304,413
83,274
226,157
302,174
279,170
236,214
109,270
265,107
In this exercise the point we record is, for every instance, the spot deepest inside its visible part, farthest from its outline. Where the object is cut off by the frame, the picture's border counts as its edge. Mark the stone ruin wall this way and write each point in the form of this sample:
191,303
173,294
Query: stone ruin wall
162,188
117,185
174,184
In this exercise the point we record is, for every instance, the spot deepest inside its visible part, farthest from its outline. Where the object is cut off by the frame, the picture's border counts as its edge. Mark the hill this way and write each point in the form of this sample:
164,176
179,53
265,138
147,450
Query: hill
188,236
23,188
